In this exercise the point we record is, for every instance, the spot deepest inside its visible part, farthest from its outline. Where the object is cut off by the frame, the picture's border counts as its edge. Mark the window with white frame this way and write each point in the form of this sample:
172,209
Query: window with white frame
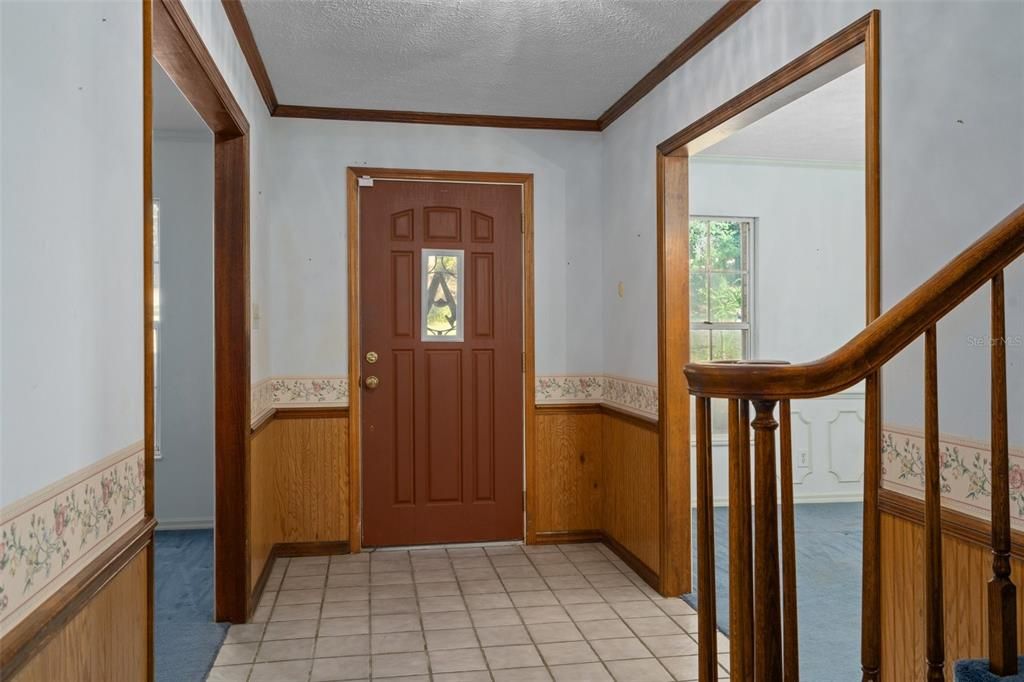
721,295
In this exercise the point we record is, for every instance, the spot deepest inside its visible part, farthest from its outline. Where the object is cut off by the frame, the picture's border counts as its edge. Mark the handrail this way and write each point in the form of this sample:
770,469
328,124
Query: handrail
886,336
770,622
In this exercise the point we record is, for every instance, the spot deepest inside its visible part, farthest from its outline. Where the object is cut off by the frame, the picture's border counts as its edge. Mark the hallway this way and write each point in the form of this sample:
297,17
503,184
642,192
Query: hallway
500,612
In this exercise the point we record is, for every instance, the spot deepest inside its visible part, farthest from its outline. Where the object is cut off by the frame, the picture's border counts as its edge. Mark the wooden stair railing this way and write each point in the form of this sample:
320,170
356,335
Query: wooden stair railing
763,612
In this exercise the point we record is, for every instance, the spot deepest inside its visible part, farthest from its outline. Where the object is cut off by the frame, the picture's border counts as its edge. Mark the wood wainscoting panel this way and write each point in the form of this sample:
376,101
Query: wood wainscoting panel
631,485
107,640
967,567
298,483
262,516
568,475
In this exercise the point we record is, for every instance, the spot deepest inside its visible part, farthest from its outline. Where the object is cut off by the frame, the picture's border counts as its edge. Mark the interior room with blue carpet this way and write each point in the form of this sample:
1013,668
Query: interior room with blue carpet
828,548
186,638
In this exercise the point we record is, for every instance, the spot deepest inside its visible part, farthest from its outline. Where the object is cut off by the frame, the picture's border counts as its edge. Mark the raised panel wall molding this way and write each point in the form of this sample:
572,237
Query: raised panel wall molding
48,537
828,451
846,446
803,446
966,471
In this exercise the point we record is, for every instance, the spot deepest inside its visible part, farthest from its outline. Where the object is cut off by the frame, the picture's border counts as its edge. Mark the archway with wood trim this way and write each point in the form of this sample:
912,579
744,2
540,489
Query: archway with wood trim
854,46
173,41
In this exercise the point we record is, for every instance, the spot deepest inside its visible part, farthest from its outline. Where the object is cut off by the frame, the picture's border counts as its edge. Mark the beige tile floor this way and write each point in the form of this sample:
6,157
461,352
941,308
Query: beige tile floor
498,612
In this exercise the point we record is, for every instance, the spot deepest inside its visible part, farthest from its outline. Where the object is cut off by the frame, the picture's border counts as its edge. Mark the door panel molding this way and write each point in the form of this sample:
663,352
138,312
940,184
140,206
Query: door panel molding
525,181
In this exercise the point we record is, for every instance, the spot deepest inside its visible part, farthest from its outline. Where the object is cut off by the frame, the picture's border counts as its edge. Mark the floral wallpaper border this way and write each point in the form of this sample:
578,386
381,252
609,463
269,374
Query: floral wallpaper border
325,391
47,538
632,395
966,471
627,394
569,389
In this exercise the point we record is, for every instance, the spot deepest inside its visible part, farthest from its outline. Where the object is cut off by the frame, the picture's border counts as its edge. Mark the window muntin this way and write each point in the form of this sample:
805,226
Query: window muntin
721,300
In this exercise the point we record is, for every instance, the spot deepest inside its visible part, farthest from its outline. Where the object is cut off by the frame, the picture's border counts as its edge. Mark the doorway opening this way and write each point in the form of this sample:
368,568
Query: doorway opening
440,355
173,43
186,636
769,233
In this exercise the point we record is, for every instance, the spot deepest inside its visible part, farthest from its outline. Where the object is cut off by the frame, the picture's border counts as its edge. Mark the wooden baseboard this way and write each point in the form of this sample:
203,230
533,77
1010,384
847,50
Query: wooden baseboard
565,537
963,526
573,536
30,635
292,549
649,575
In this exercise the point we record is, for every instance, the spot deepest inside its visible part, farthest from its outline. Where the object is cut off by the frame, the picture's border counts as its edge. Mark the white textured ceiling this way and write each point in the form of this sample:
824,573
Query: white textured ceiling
171,111
550,58
825,125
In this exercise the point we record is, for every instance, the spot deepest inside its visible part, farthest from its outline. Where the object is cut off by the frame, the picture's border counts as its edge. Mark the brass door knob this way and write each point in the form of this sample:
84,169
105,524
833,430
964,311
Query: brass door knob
371,382
371,357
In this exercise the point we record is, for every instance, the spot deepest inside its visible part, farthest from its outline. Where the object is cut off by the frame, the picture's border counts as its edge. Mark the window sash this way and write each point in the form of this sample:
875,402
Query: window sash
719,425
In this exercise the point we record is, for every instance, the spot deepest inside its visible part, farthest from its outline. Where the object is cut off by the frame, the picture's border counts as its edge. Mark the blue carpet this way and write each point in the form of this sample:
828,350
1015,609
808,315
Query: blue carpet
976,670
828,548
187,639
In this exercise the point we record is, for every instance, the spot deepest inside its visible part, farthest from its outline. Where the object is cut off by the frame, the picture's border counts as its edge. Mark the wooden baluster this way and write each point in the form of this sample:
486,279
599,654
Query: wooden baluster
741,575
767,615
871,569
707,628
1002,595
933,615
791,656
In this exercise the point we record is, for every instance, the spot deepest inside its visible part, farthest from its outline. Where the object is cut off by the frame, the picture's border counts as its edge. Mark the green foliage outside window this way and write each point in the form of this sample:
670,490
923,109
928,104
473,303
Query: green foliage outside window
719,286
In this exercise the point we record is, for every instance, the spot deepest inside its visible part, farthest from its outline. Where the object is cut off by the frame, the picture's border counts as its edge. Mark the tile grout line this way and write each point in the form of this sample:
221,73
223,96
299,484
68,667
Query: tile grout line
571,559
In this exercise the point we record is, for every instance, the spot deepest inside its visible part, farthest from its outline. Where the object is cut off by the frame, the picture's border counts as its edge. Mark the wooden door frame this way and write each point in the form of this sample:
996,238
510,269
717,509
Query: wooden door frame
825,62
170,37
525,180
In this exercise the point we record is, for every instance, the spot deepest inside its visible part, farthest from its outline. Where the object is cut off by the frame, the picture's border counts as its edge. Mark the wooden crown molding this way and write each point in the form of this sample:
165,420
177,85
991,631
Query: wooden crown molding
483,120
243,32
694,43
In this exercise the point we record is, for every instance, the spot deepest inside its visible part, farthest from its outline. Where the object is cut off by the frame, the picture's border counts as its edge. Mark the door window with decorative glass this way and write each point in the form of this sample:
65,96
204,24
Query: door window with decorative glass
442,298
721,282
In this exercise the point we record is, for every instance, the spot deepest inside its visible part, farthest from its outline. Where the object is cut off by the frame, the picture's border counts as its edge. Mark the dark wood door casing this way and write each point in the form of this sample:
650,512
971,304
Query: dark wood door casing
442,432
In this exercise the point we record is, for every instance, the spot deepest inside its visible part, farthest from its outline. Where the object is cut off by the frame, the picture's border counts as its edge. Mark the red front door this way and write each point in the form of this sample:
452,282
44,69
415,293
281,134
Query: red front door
442,313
